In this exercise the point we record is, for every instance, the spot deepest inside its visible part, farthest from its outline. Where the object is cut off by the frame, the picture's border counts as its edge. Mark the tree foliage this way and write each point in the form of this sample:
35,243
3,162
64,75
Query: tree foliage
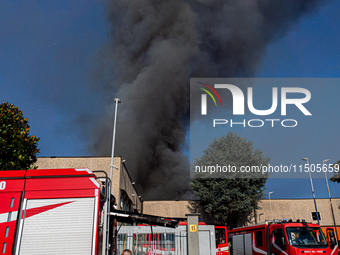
18,147
229,198
336,176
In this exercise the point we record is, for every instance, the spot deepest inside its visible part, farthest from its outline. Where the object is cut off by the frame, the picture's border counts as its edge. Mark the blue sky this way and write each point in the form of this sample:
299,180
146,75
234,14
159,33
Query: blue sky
49,49
310,50
47,52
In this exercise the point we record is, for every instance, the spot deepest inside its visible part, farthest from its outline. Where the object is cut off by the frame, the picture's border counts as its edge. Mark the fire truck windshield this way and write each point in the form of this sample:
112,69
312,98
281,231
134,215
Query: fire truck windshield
306,236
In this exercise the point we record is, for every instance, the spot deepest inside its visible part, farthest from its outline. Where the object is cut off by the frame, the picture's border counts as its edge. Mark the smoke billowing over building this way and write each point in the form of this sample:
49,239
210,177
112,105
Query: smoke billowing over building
156,46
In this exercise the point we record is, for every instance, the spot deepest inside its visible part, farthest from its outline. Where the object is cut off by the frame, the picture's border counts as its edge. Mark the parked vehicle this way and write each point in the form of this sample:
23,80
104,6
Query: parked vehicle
281,238
61,211
49,212
327,230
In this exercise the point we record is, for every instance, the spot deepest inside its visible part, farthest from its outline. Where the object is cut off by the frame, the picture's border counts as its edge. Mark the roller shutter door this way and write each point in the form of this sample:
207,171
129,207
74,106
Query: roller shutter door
58,226
238,246
248,244
242,244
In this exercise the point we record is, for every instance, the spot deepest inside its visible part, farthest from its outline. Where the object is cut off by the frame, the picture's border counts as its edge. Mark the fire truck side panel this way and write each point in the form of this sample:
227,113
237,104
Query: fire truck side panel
248,244
14,174
59,194
58,226
48,212
64,172
242,244
259,242
237,245
11,185
9,202
248,241
71,183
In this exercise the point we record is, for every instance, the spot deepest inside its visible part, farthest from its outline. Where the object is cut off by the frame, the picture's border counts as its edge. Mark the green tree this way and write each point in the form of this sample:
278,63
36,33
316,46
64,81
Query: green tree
18,148
336,168
230,198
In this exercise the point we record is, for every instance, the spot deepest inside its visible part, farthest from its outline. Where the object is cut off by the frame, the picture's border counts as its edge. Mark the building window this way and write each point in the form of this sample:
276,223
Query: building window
314,216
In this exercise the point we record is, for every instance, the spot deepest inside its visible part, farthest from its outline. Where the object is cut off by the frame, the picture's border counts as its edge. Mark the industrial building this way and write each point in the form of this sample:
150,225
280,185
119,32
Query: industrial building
123,188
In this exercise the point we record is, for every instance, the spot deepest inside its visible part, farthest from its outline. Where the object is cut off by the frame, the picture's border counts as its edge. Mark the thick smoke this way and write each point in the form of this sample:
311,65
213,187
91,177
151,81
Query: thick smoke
157,45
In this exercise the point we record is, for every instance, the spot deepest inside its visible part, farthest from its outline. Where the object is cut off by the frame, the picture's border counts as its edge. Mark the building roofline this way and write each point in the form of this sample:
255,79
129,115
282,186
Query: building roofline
299,198
77,156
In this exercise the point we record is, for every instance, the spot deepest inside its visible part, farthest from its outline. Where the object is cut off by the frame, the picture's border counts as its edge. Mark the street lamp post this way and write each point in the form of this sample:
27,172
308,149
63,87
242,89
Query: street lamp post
311,184
330,200
113,145
271,203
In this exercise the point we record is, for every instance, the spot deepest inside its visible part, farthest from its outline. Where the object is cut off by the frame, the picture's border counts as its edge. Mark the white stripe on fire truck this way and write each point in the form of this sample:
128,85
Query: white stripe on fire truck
21,223
334,249
277,247
95,182
8,217
225,248
11,216
84,169
94,235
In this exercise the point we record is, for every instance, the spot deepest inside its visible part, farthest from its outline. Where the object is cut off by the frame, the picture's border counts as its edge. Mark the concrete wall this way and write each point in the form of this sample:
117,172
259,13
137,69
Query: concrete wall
124,191
174,209
281,208
299,209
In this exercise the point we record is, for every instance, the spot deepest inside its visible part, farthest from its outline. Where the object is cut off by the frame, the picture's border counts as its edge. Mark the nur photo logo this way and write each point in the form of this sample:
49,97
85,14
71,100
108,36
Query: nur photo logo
284,96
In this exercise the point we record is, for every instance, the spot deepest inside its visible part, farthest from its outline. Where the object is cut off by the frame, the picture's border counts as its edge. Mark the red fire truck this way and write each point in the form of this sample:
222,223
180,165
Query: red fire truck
281,238
222,247
49,212
61,211
327,230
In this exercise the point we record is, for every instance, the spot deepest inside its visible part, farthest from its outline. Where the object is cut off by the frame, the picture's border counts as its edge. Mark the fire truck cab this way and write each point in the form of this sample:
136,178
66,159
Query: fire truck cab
281,238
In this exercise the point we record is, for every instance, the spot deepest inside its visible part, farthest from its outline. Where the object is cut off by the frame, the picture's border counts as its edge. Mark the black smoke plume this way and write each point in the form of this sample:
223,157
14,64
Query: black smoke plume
157,45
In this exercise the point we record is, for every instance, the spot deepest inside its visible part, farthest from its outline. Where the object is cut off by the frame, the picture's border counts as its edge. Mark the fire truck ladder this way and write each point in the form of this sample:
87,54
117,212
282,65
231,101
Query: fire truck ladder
105,219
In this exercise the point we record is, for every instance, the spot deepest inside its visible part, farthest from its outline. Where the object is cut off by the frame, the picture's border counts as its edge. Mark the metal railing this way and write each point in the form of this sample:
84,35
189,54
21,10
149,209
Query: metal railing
152,241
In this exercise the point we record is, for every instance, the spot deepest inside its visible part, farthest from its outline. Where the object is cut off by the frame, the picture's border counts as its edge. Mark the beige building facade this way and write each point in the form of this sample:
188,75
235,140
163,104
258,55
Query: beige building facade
127,197
299,209
294,209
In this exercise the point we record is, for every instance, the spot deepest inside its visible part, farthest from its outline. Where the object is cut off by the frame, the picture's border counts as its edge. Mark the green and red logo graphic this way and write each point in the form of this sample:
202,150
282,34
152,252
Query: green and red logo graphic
204,97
